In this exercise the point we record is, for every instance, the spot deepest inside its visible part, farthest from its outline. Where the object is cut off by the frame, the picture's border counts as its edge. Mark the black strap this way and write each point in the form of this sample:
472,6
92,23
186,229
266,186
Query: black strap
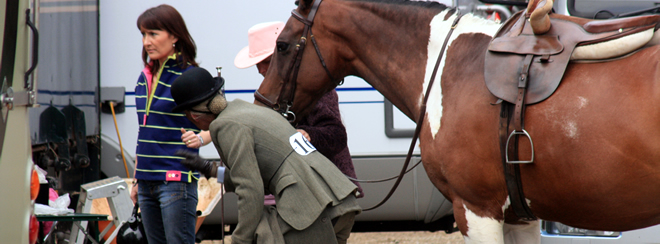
285,100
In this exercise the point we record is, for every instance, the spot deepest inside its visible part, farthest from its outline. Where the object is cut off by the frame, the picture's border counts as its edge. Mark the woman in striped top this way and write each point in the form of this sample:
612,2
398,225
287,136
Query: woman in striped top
166,190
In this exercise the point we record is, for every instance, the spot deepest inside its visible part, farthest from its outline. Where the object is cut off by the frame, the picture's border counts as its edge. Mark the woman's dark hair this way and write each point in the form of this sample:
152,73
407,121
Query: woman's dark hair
165,17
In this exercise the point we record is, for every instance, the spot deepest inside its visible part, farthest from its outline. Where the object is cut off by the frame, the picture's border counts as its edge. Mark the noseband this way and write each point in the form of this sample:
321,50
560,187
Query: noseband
285,102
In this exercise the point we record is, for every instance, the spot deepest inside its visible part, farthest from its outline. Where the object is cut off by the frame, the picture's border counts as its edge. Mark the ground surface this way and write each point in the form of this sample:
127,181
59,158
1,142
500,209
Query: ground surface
408,237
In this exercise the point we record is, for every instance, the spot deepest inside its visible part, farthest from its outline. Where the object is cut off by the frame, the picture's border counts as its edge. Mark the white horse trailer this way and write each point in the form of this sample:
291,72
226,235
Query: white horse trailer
378,134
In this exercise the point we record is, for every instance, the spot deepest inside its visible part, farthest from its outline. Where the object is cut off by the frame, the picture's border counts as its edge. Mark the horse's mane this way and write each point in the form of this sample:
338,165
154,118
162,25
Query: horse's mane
425,4
395,8
402,11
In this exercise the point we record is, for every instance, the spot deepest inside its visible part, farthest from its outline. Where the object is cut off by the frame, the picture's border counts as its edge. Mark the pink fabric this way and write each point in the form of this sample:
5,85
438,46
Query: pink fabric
269,200
149,76
52,196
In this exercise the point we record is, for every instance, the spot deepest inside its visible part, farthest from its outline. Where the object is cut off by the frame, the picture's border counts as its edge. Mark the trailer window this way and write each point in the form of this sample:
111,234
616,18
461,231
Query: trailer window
605,9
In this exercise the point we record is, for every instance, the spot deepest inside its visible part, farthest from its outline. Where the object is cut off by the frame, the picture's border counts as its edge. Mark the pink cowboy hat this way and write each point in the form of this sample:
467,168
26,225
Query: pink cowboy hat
261,40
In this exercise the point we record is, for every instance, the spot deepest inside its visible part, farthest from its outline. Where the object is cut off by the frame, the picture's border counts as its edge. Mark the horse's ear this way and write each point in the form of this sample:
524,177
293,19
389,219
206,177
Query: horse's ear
304,4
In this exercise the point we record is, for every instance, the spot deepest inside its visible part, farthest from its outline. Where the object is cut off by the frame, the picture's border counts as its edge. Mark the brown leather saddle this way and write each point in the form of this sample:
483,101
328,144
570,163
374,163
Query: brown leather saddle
552,51
524,65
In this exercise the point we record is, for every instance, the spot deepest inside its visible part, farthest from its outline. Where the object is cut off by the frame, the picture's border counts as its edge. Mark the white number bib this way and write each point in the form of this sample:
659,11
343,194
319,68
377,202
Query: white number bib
300,144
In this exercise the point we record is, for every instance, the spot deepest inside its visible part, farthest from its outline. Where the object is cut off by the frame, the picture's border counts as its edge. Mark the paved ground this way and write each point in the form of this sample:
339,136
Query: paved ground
409,237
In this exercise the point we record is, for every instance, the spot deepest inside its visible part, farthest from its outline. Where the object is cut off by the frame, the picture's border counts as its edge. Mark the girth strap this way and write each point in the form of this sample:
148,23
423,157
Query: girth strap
509,148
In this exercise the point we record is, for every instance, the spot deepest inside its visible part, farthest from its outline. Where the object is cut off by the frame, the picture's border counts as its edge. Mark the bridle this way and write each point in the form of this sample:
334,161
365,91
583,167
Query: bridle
284,103
285,100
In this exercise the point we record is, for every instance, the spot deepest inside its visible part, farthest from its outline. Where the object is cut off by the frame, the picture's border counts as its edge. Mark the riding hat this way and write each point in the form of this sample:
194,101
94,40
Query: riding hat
194,86
261,39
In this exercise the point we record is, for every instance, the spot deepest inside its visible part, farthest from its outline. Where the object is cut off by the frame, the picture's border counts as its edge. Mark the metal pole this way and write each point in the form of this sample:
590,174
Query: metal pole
222,191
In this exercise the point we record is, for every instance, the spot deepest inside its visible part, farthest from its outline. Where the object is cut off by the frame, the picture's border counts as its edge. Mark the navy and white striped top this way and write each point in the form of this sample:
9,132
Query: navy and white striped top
159,136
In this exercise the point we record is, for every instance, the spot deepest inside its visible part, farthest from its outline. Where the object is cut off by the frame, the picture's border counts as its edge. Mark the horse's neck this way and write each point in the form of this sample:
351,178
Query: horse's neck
389,44
402,75
475,28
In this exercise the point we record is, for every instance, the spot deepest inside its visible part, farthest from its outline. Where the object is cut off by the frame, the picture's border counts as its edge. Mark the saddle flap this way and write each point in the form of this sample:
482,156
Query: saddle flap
527,44
502,73
503,61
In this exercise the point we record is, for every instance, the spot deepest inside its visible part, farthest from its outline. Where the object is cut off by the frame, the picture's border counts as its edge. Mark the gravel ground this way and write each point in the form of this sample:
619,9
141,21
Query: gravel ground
408,237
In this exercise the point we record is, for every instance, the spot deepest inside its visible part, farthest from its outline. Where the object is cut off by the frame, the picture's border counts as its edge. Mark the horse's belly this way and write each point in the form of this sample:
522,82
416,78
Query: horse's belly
597,145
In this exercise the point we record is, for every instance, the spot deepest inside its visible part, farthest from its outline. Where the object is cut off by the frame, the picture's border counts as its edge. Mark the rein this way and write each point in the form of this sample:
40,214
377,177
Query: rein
284,103
422,114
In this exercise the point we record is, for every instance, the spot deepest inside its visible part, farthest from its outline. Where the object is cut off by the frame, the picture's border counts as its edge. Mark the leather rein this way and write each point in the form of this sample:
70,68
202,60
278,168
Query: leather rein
422,114
284,103
285,99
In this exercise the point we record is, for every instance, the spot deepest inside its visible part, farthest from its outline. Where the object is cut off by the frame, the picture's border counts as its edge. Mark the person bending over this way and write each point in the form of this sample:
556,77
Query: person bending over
264,154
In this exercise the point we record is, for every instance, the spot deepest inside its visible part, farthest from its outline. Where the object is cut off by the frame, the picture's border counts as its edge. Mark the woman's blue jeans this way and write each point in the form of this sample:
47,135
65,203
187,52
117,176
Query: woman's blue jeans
168,210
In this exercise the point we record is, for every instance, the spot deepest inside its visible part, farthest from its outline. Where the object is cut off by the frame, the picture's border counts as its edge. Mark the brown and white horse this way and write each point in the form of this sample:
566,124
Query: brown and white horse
596,139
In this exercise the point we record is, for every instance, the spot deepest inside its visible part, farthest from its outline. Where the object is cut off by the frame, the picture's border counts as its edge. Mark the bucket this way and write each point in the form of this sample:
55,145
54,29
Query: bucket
209,193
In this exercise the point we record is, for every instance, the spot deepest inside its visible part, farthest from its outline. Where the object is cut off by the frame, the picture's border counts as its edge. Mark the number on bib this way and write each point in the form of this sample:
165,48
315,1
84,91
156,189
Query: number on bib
300,144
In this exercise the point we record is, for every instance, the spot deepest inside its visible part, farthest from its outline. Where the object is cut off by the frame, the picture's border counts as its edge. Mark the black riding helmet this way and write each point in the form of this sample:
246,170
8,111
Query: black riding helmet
194,86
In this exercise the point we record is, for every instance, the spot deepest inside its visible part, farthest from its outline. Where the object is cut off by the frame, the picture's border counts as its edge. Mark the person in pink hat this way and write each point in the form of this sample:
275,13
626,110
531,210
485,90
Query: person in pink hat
261,39
323,126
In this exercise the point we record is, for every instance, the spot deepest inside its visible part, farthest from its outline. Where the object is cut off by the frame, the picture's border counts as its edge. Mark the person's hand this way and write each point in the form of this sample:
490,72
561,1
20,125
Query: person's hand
304,133
195,162
190,139
134,193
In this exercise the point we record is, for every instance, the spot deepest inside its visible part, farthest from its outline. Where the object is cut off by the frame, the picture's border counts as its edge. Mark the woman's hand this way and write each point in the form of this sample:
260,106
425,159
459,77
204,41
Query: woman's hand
305,134
191,139
134,193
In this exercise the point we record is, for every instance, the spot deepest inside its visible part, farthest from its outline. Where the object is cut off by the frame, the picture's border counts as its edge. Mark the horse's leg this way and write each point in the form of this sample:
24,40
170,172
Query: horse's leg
477,229
522,233
483,229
